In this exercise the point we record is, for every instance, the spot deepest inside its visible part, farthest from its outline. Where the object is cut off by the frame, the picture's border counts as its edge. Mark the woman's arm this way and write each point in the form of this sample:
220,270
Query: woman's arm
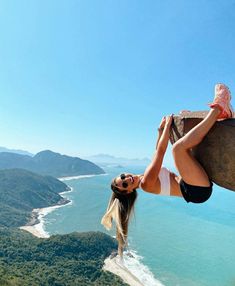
160,129
150,178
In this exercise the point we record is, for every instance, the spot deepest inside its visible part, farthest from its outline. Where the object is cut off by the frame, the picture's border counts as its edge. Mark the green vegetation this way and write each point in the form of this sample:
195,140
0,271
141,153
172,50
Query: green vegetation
21,191
73,259
49,163
61,260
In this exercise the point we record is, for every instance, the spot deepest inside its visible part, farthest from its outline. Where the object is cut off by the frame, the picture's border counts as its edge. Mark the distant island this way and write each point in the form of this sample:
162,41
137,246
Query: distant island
49,163
17,151
109,160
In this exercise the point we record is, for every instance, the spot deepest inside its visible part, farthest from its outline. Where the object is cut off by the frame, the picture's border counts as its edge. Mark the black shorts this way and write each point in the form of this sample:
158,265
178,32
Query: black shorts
195,194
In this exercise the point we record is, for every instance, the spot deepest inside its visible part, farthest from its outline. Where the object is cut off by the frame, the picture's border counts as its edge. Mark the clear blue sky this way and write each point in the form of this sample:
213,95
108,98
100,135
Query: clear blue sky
88,77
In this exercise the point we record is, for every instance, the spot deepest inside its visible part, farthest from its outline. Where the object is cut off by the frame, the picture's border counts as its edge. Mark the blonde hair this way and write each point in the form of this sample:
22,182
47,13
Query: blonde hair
120,209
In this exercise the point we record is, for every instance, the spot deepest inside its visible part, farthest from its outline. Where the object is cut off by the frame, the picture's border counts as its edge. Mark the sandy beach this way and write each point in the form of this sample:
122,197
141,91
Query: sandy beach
36,225
79,177
34,231
116,267
37,229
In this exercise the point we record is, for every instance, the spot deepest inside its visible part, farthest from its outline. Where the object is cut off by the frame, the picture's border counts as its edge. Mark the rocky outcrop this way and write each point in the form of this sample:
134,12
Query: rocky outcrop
216,152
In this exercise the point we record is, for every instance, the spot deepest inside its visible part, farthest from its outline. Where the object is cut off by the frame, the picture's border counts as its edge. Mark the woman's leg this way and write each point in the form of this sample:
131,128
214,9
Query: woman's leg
189,168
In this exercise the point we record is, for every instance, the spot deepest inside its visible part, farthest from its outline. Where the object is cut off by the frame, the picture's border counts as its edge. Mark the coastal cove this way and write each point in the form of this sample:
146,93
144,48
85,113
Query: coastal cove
160,232
36,228
36,224
35,260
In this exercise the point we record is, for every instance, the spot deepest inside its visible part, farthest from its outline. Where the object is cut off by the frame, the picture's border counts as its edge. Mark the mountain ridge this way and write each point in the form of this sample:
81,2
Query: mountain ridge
16,151
50,163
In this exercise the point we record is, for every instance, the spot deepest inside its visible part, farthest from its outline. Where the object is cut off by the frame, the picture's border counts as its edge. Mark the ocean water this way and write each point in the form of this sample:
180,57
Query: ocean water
172,243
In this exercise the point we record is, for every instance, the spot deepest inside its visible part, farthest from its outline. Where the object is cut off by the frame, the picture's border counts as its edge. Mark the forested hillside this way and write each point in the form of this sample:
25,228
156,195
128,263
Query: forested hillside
21,191
73,259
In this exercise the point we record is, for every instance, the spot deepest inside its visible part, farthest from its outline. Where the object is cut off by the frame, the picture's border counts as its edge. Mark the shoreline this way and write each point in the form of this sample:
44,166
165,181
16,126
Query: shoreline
131,269
79,177
36,225
114,266
36,228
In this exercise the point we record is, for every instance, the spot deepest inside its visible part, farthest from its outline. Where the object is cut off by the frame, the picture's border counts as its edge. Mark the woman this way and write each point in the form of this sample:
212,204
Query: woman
193,183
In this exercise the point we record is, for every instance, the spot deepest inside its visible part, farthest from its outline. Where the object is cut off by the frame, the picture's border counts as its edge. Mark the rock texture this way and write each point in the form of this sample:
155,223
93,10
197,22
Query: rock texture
216,152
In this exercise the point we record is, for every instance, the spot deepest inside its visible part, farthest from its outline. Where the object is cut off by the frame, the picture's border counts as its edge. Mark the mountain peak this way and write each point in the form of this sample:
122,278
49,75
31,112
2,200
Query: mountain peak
47,153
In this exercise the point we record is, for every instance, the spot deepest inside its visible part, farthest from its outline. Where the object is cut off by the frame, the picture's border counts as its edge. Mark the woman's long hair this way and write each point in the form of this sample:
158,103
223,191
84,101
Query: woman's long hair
120,208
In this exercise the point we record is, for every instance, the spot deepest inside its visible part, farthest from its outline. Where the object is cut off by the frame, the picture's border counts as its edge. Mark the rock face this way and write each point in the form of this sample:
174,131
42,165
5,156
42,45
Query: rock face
216,153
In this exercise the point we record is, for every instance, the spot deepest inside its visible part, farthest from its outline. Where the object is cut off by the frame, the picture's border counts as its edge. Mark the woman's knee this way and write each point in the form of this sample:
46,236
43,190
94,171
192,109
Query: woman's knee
178,148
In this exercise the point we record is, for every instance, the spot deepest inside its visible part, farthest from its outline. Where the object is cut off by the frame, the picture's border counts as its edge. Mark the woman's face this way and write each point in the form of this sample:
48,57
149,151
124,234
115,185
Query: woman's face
127,182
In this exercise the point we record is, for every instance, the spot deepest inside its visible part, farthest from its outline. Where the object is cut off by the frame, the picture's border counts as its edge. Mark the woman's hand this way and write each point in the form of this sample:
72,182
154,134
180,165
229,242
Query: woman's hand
162,124
169,119
165,122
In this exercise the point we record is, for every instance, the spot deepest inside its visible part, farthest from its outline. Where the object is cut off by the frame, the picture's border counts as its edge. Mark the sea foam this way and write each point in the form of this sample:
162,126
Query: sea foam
79,177
132,261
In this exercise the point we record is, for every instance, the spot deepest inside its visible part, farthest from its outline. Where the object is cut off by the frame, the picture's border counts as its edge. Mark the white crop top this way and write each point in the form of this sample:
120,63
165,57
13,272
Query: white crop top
164,177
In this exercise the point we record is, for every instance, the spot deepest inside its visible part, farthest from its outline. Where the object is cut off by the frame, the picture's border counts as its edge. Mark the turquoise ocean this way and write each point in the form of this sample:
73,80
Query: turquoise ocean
171,241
